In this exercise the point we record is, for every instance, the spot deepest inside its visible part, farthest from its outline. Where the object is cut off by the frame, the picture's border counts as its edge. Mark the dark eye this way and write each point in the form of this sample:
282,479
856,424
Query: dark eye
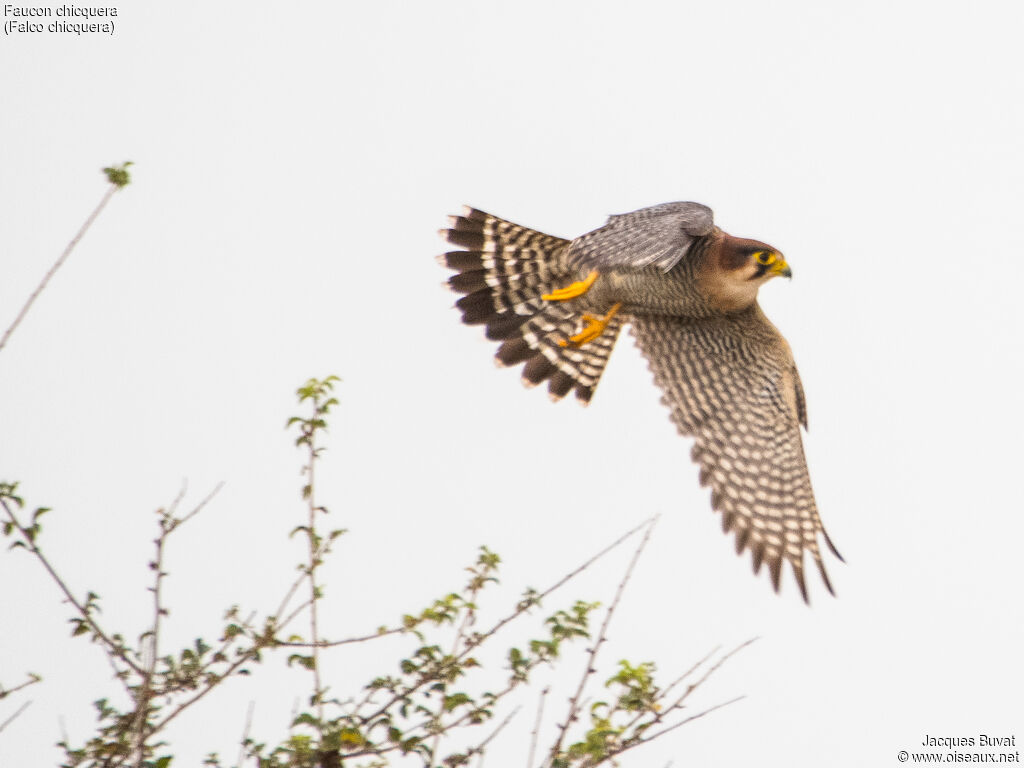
764,257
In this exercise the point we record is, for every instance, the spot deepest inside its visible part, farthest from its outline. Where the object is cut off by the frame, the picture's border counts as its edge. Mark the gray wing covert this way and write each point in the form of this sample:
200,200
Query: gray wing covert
660,236
730,382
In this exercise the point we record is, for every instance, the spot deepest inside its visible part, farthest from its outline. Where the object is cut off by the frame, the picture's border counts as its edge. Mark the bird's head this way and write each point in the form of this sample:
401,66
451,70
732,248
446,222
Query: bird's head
752,260
737,268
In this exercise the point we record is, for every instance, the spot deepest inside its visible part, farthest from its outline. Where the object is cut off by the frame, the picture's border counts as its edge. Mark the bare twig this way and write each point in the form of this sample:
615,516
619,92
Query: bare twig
346,641
32,680
681,723
569,576
279,624
59,263
169,512
289,595
245,734
479,748
291,616
13,717
690,671
177,523
536,727
590,669
678,703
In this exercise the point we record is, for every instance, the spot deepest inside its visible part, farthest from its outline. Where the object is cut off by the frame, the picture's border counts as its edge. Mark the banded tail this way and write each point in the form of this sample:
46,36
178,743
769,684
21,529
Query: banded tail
504,272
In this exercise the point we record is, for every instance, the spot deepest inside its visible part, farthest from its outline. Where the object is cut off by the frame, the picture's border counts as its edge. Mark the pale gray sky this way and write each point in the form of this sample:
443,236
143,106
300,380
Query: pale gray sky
293,163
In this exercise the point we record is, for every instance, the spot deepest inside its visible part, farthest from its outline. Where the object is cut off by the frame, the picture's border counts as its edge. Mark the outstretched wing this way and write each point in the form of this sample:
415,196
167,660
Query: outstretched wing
731,383
657,236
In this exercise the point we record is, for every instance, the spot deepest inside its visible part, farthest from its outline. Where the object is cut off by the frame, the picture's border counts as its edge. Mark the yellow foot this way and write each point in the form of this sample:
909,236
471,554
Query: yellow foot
594,328
572,291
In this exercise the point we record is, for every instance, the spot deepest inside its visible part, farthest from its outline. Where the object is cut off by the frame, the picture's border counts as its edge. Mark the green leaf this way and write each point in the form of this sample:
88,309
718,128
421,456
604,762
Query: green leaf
454,701
118,176
305,719
408,745
307,662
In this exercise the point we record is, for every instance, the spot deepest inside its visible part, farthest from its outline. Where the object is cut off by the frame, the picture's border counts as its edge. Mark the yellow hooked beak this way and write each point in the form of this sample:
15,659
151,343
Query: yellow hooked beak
780,267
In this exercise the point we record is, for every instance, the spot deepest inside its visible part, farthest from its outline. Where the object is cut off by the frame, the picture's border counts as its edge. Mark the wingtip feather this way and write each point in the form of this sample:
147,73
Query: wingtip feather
824,576
801,582
775,570
831,546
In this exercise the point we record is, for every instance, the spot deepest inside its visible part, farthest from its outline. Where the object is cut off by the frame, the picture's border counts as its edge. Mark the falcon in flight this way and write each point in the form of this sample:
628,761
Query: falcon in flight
689,292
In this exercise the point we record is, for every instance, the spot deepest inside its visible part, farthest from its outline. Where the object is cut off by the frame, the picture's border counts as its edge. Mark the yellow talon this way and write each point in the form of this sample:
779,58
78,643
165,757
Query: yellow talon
572,291
594,328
